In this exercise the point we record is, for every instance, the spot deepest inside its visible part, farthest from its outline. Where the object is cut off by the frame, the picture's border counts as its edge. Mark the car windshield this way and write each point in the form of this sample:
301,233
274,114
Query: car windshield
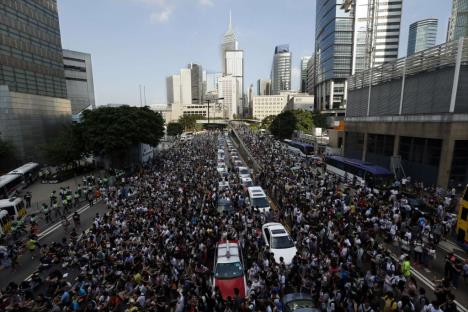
243,171
300,304
260,202
224,206
248,183
281,242
229,270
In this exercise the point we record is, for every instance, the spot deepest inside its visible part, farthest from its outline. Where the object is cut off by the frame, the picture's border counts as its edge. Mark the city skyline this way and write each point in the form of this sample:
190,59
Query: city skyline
150,33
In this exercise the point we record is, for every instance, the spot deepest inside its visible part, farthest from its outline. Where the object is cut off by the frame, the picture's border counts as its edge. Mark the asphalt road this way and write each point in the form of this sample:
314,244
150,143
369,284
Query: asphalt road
52,232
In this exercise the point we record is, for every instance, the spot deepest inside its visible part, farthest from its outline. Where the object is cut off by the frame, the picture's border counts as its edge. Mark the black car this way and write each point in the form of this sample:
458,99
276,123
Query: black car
299,302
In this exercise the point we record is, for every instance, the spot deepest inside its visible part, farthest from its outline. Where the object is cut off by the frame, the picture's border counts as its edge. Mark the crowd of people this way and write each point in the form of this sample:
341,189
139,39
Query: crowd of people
153,249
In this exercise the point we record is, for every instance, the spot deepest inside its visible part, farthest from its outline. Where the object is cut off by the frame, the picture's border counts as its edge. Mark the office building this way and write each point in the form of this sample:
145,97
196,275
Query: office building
229,44
300,101
250,96
422,35
79,80
212,82
333,54
33,92
263,87
235,68
268,105
416,117
310,86
196,81
458,22
304,62
229,90
281,69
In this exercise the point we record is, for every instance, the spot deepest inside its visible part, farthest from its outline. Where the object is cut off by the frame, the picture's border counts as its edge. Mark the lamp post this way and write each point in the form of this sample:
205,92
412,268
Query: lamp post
208,101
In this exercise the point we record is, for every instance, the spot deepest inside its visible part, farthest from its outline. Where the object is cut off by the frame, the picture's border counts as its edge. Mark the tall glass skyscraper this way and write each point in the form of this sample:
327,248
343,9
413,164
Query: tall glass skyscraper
458,23
422,35
333,53
304,62
281,69
31,56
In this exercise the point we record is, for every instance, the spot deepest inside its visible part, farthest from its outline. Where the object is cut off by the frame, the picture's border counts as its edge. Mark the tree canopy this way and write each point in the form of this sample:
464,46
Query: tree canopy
113,129
189,122
174,128
266,122
286,123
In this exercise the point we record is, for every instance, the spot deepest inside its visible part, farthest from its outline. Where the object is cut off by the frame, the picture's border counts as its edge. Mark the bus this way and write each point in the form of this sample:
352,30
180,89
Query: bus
304,148
5,222
14,206
374,176
9,184
461,230
29,172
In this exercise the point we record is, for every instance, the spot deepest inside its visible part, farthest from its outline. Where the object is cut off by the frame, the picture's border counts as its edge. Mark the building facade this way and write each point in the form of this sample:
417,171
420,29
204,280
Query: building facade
415,112
268,105
33,104
281,69
263,87
196,82
229,44
79,80
311,76
458,22
229,90
304,73
300,101
422,35
235,68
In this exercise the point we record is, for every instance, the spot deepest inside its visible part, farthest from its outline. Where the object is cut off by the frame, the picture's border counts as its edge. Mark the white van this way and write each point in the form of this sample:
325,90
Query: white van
14,206
258,199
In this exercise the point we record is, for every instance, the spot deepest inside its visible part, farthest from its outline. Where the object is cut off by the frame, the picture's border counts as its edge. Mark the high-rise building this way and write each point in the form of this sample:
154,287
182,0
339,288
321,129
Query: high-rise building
33,92
458,22
212,82
228,89
263,87
422,35
79,79
351,36
304,62
333,54
233,65
268,105
196,81
281,69
311,76
229,44
186,86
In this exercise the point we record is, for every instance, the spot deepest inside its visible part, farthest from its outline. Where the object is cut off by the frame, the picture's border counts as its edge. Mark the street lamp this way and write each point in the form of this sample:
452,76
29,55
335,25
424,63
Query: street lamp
209,101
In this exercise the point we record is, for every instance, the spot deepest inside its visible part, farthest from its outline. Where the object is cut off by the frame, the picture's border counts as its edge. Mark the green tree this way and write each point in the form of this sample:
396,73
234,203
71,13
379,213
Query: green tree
110,130
320,120
189,122
174,128
68,148
266,122
287,122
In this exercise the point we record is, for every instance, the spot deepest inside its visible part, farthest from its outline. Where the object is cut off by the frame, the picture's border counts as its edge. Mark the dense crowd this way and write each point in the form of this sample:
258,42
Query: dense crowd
153,249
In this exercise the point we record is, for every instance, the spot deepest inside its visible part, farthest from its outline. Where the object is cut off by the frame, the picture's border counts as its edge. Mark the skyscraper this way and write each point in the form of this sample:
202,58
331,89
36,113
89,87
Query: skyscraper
281,69
79,79
229,44
311,76
333,53
33,90
196,82
228,89
304,61
212,82
233,66
422,35
263,87
376,32
458,22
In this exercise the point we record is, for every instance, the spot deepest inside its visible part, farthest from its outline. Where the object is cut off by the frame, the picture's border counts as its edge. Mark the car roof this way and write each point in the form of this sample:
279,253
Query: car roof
223,256
256,191
276,229
246,179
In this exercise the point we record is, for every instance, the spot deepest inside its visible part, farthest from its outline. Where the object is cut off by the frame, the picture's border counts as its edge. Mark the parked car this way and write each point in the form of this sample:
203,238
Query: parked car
279,242
299,302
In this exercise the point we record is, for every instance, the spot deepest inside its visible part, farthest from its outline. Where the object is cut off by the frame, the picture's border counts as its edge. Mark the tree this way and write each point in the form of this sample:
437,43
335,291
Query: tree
110,130
67,148
189,122
174,128
266,122
320,120
284,124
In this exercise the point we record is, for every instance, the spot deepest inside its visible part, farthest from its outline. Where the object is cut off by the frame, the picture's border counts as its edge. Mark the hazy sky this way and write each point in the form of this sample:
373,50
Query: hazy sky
136,42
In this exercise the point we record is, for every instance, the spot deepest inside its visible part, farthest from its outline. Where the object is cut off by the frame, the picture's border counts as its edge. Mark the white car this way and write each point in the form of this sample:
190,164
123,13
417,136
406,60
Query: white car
243,172
223,185
246,182
279,242
222,169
